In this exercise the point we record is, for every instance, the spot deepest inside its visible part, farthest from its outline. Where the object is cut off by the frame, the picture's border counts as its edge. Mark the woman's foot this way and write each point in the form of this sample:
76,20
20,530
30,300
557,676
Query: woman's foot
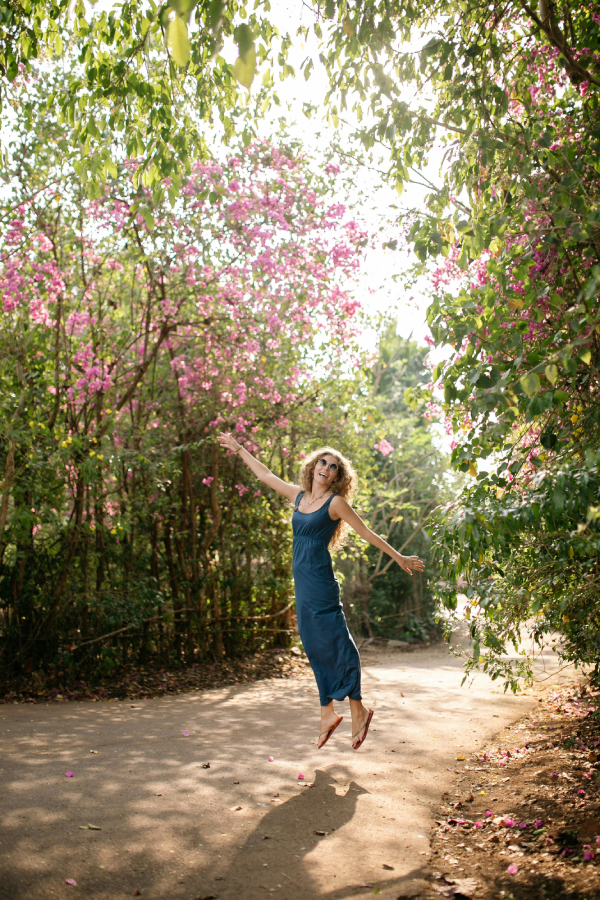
361,719
329,722
325,735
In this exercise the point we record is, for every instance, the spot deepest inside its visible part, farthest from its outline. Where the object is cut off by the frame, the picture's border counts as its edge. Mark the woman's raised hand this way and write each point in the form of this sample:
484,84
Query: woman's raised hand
411,564
227,440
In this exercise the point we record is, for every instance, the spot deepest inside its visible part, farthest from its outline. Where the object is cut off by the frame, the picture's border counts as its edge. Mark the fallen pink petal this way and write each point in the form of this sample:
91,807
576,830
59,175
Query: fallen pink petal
186,734
271,759
522,825
488,814
538,823
70,881
300,776
69,774
588,855
512,869
478,824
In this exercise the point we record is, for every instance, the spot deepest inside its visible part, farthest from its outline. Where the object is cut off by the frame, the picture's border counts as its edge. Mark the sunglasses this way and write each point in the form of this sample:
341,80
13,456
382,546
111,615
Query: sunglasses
332,466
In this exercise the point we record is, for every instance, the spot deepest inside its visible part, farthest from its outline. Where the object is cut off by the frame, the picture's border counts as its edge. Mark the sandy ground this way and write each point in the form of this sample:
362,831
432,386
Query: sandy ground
245,827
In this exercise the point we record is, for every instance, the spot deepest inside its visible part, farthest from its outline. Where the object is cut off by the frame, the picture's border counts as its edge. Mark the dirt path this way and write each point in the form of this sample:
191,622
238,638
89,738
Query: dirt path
171,828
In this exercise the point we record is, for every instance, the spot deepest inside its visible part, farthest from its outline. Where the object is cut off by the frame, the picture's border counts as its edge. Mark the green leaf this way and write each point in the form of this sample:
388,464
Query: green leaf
183,7
548,440
571,366
551,373
178,41
148,218
215,14
558,498
245,70
244,38
530,383
585,356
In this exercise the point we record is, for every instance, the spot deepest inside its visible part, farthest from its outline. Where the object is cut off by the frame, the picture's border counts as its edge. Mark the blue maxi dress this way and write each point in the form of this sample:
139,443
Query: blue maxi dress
327,642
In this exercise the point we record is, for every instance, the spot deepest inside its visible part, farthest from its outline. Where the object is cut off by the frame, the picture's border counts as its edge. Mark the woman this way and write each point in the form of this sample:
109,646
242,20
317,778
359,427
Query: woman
321,519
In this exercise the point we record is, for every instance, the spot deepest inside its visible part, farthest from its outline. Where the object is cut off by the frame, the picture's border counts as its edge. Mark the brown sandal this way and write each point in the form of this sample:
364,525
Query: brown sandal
329,732
365,728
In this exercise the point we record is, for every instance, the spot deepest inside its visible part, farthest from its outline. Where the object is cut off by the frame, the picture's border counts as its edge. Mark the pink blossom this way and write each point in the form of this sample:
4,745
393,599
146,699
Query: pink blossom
384,447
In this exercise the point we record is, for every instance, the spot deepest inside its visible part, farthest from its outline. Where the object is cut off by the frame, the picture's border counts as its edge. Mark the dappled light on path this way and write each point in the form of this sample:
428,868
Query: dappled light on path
184,801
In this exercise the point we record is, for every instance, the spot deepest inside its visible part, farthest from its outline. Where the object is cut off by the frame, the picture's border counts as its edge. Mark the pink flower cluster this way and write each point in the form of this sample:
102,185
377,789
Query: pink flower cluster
384,447
212,319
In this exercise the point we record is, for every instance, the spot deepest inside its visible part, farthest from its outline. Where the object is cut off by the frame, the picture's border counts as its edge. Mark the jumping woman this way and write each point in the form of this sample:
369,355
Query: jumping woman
321,520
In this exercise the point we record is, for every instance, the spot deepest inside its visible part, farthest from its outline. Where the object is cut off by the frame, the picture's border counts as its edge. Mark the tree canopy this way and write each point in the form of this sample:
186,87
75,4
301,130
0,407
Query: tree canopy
142,79
128,337
510,242
506,95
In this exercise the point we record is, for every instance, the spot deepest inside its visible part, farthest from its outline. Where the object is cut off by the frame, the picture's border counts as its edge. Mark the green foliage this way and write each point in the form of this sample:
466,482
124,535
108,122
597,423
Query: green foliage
146,76
132,329
399,490
511,93
530,560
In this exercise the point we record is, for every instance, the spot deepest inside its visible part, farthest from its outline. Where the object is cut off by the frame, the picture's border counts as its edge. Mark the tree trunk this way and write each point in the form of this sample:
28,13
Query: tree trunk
9,477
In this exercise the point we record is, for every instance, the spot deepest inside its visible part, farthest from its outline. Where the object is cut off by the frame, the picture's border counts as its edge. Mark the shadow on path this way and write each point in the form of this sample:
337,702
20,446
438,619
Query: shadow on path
281,855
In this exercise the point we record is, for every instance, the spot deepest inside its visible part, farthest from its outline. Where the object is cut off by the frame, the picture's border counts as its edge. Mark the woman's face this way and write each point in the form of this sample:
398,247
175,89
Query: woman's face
326,472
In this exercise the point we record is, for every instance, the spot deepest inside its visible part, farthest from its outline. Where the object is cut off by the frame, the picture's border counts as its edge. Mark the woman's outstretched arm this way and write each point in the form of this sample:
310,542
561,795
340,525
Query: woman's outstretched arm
291,491
342,510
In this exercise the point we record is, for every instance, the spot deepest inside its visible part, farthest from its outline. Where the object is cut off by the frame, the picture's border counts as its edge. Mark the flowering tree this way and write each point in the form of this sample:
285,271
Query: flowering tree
511,90
132,330
521,386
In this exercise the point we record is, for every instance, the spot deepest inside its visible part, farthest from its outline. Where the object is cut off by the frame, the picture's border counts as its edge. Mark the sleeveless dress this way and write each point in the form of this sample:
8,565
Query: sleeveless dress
321,621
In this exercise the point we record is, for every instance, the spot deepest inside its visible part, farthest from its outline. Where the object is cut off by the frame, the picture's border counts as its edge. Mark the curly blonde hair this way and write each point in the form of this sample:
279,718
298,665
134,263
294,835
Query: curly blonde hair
345,486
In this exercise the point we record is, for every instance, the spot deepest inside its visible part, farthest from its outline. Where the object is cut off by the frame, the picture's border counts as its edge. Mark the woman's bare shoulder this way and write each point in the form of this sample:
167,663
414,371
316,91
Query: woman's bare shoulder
338,507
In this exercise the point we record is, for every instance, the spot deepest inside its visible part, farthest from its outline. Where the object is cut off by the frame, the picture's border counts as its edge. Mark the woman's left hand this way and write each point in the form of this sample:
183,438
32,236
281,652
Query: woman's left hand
411,564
